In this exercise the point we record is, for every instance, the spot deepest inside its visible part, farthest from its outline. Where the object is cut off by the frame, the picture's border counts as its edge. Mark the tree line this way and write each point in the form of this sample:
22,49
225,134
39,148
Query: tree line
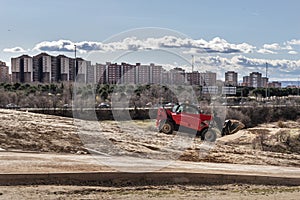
56,95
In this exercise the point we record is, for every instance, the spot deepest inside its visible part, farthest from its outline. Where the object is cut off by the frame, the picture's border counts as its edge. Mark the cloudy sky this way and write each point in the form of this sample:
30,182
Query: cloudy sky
221,35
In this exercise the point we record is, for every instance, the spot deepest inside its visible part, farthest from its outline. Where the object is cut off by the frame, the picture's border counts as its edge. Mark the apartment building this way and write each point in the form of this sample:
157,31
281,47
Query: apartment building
255,80
193,78
231,78
208,78
64,67
176,76
100,73
22,69
45,68
4,75
128,72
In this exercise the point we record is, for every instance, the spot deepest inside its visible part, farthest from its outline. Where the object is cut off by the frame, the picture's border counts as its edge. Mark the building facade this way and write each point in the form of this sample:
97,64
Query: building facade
4,73
193,78
22,69
255,80
208,78
231,78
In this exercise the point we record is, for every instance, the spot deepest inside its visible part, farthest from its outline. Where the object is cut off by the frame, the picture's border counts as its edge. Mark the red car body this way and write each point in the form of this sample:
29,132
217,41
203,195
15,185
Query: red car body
183,116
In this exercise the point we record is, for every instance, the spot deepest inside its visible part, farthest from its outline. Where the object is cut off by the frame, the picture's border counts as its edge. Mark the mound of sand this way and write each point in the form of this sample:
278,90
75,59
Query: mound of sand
272,144
36,132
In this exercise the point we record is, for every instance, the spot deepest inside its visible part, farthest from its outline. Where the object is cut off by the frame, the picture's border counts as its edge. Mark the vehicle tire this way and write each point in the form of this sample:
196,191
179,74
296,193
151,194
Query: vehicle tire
208,135
167,127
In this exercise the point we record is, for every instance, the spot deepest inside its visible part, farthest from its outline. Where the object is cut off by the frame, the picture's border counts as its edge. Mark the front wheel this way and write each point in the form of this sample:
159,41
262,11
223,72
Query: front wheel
167,127
208,135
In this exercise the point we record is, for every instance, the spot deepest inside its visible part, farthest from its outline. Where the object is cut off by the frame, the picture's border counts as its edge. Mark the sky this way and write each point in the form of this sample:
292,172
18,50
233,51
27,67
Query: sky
221,35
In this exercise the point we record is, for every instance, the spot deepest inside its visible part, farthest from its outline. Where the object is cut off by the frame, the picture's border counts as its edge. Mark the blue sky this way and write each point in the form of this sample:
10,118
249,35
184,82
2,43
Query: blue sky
270,29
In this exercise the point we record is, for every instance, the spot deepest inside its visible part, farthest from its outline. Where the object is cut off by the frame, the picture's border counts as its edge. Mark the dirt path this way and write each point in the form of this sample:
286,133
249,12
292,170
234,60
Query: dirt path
226,192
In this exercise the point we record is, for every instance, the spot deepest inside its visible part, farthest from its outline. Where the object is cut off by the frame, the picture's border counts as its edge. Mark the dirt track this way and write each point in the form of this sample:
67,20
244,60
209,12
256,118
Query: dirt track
226,192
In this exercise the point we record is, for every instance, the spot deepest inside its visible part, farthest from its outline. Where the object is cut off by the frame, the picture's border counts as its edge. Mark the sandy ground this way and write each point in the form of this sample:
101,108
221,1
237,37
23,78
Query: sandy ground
269,144
226,192
275,144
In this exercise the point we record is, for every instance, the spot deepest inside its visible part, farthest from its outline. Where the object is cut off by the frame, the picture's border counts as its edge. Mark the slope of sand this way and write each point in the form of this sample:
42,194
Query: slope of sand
267,144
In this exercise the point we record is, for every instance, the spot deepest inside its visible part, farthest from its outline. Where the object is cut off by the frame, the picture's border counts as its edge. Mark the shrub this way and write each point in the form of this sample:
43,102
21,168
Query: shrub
240,116
281,124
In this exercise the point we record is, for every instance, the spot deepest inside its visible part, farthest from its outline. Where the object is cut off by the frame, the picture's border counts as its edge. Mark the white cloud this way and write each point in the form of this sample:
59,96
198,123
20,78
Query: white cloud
266,51
293,52
293,42
274,46
216,45
14,50
60,45
244,65
271,48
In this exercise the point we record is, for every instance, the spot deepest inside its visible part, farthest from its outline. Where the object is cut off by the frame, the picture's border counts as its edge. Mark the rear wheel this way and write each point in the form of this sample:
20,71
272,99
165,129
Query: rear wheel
208,135
167,127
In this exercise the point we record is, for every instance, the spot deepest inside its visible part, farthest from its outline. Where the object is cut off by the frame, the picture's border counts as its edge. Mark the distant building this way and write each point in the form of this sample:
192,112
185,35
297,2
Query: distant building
176,76
274,84
4,75
128,72
246,81
100,73
229,90
264,82
22,69
45,69
255,80
193,78
231,78
155,74
64,66
208,78
210,90
112,73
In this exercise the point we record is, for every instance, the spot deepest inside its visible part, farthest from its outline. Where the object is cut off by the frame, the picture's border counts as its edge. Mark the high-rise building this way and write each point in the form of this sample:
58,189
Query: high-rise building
231,78
176,76
264,82
255,79
4,76
142,74
193,78
165,77
84,71
246,81
64,67
275,84
112,73
45,69
100,74
22,69
155,74
208,78
128,73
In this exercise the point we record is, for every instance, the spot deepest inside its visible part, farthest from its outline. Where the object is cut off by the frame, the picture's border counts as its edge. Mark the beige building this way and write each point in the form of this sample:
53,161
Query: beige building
4,73
64,66
208,78
84,71
231,78
22,69
176,76
255,80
